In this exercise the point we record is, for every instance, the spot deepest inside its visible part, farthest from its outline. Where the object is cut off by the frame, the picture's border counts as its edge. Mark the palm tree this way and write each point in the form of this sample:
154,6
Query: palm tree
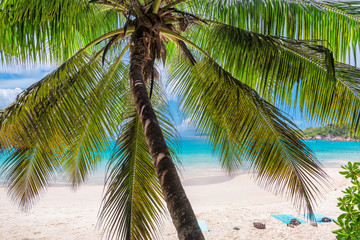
229,61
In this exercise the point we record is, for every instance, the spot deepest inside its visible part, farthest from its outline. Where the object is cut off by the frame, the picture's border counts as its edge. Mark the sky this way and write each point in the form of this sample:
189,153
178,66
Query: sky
15,79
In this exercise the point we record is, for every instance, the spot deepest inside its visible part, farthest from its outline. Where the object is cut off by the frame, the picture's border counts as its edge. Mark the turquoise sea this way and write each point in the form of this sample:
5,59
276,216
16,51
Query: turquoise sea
329,153
197,157
198,154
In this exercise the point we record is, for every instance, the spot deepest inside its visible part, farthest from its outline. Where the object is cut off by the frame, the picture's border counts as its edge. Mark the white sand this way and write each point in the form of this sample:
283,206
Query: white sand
224,202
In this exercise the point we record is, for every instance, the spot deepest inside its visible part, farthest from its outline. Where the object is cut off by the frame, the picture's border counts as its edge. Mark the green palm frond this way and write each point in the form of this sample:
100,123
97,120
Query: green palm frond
133,203
65,120
41,30
94,126
28,172
350,7
278,68
247,130
36,102
29,129
334,23
29,167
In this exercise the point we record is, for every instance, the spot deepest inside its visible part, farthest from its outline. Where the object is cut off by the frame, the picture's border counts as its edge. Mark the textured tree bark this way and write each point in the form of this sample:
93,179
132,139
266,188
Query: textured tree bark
181,212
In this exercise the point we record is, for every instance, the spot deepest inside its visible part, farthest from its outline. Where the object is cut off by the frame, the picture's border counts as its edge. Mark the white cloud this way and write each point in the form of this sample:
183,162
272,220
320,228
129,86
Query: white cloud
169,92
8,95
185,125
297,122
15,77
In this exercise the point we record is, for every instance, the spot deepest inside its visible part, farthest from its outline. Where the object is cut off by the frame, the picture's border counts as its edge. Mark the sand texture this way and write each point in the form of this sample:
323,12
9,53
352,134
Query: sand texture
223,201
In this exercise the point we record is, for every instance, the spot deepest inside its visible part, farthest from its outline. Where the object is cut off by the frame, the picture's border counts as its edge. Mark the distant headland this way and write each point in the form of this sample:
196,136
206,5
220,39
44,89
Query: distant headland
330,132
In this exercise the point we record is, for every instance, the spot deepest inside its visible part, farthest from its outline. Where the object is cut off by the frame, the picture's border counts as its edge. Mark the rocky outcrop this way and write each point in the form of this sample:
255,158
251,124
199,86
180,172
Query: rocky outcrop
329,137
318,137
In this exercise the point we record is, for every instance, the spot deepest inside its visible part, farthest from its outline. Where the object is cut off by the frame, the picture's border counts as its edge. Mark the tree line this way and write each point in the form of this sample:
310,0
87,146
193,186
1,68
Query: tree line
332,129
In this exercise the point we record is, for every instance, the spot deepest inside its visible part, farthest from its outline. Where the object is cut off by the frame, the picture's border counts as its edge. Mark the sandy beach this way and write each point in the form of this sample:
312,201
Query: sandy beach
223,201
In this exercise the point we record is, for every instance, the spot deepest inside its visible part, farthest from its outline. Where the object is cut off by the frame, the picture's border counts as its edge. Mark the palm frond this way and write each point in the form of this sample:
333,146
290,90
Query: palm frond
36,102
28,172
350,7
133,203
327,20
65,120
248,130
29,129
43,31
31,133
93,128
278,68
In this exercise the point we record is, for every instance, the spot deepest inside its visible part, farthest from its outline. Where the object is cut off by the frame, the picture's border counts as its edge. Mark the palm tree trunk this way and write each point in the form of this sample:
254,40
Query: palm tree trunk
177,203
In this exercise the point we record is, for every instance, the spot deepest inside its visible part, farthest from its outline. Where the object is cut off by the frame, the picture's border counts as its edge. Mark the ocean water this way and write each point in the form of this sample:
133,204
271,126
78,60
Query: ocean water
329,153
335,153
197,157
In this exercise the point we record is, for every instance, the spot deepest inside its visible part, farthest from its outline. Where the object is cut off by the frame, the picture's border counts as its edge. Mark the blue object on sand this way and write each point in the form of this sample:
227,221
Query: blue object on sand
286,218
203,226
317,216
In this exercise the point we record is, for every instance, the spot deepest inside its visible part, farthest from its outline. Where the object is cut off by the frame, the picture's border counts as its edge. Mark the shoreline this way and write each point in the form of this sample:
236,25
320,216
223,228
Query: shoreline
97,178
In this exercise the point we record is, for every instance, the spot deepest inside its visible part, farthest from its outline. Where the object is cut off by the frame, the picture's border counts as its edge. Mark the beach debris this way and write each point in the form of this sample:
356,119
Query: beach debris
294,222
290,225
259,225
314,224
236,228
325,219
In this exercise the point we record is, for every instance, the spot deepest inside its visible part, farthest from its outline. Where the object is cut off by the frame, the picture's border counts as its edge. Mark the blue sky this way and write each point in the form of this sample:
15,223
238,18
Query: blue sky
14,79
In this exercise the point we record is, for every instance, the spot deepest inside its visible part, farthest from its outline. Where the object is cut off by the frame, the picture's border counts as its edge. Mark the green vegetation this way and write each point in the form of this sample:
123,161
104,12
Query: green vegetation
229,62
349,221
334,130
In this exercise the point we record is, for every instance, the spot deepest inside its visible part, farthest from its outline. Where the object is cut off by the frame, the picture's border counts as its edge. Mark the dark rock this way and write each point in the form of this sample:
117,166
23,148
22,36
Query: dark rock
259,225
325,219
236,228
294,222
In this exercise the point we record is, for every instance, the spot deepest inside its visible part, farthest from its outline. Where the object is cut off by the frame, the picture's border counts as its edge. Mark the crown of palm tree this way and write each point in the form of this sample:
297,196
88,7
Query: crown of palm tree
229,61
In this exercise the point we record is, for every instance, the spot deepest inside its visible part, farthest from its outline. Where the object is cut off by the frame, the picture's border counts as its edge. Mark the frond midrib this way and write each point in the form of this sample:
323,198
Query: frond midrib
312,61
278,141
30,170
133,179
284,151
337,10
